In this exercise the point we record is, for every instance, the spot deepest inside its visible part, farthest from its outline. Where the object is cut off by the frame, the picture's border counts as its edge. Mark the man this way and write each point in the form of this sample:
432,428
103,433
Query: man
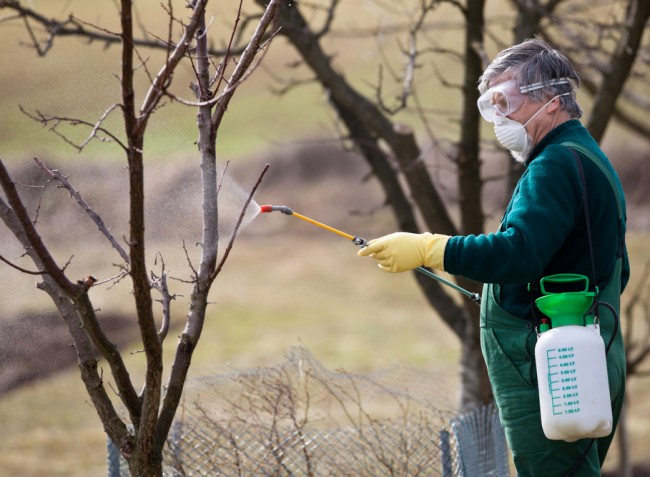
528,92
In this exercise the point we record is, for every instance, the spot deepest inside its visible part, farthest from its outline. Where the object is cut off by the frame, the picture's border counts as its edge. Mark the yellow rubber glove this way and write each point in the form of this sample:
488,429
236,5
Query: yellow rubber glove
402,251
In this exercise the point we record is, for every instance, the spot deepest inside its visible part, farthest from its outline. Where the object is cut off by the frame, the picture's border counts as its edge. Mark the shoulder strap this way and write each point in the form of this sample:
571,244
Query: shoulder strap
612,182
608,174
585,203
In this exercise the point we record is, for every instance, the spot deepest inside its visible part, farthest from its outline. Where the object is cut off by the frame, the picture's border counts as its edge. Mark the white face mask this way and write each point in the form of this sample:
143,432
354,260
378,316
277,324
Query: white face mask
513,136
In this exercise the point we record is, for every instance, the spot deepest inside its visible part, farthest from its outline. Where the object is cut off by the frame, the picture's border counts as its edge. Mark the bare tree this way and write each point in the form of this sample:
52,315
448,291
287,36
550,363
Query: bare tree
369,125
142,434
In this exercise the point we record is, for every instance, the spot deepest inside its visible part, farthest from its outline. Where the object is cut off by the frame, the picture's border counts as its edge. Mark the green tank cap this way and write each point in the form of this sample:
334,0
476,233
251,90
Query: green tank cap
566,308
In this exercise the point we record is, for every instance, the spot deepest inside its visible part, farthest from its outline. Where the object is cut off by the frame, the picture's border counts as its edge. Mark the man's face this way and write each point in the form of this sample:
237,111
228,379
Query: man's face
505,99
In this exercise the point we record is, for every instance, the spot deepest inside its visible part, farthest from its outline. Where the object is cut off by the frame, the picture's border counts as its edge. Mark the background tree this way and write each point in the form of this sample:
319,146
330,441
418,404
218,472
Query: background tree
150,411
389,143
606,54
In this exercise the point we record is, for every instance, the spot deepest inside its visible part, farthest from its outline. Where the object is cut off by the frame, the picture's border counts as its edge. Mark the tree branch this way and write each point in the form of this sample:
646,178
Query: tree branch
163,78
160,284
206,273
75,307
32,236
52,122
620,65
245,61
20,269
74,27
55,174
238,224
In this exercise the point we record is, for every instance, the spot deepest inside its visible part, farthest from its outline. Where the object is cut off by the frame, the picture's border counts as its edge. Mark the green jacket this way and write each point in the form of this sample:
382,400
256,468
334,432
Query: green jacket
543,230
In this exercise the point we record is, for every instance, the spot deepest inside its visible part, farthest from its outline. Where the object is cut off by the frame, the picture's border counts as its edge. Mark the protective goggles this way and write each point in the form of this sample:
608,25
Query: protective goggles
505,98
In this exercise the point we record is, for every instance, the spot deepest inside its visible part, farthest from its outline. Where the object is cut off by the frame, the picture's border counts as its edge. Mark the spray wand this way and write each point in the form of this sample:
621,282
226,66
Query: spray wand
361,242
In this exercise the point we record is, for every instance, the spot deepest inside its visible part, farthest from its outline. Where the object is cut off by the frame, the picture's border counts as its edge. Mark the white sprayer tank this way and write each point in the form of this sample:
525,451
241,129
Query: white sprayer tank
572,369
573,388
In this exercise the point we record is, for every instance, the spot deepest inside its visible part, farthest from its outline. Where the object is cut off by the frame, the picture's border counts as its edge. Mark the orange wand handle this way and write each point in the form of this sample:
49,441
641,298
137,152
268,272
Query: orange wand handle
322,225
287,211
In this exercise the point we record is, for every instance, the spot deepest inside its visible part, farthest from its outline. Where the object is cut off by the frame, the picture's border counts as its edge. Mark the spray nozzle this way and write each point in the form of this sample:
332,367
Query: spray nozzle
276,208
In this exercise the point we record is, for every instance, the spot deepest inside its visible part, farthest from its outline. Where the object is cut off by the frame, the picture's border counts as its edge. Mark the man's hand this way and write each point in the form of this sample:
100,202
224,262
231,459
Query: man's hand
402,251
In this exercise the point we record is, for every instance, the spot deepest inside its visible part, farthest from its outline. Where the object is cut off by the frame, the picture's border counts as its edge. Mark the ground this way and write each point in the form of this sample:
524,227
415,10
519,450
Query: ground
36,345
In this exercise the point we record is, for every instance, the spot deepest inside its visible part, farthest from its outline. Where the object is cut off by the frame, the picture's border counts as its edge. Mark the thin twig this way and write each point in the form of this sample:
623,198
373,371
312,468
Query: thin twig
96,127
191,265
198,104
55,174
160,284
115,278
20,269
234,84
223,176
52,122
224,62
245,61
239,221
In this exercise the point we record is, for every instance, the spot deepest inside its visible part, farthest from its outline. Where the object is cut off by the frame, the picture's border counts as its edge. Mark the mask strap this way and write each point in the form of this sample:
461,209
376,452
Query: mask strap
540,109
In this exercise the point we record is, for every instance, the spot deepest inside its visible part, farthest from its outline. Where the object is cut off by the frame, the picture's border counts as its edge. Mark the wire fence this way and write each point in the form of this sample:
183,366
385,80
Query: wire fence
299,419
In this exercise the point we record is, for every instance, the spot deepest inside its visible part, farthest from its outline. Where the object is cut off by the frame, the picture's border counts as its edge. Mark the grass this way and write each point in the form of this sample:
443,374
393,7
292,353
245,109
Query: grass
50,429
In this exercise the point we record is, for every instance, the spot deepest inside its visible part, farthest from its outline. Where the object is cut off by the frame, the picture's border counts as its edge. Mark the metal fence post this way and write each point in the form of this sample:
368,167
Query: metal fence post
481,443
113,457
445,454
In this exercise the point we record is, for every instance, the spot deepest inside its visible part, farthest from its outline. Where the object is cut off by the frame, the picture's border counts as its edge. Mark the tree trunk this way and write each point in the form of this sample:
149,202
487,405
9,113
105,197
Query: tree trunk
619,67
141,465
368,126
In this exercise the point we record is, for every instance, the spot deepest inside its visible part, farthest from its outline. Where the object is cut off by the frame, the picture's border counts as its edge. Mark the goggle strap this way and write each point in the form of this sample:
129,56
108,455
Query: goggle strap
541,84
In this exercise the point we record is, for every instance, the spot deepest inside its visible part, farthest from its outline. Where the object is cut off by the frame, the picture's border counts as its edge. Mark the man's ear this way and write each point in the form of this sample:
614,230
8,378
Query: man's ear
553,106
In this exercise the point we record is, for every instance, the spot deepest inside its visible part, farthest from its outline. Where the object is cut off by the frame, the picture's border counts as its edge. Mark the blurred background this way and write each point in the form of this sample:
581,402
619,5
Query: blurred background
285,283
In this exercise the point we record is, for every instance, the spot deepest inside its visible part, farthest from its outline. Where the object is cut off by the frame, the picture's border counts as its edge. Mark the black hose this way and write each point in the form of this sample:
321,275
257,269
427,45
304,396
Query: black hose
577,465
616,324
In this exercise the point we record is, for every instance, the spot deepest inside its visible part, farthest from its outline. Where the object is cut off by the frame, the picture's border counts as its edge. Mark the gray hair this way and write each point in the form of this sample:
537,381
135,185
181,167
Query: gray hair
533,61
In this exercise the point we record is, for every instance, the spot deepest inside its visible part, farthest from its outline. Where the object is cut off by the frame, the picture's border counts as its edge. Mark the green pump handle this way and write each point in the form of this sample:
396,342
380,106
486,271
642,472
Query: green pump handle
564,279
566,300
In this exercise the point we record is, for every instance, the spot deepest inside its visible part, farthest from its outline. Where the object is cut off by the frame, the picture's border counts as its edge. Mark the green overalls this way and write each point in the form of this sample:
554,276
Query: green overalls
508,345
